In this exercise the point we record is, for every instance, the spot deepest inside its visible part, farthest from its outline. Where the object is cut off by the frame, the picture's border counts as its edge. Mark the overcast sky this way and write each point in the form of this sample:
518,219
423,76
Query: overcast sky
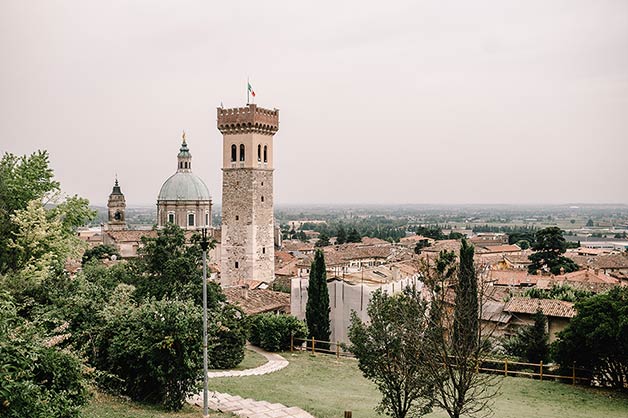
380,102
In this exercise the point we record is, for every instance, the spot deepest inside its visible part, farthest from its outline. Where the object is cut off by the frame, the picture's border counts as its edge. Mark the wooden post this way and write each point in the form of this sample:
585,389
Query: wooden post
337,351
347,414
506,367
573,373
291,343
313,343
541,370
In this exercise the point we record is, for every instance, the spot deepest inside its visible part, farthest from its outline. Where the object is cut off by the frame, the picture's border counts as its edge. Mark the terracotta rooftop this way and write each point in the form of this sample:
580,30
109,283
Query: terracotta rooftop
501,249
256,301
130,235
512,278
549,307
374,241
447,244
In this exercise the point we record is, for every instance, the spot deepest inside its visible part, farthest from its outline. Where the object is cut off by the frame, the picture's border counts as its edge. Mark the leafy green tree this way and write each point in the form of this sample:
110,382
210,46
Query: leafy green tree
323,240
22,180
548,249
99,252
537,347
317,309
38,379
597,338
168,267
590,222
558,292
354,236
420,245
389,352
341,235
531,342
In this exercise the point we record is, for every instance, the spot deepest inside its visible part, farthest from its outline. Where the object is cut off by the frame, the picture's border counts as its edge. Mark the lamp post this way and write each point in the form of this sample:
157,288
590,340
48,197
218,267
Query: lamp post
204,246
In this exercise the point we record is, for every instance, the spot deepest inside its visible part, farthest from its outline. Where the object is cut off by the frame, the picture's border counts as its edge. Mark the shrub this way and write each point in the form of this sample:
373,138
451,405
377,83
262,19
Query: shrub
272,332
36,378
228,333
155,349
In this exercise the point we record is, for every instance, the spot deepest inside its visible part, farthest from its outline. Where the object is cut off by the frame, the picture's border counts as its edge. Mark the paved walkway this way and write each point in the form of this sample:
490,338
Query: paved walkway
275,362
250,408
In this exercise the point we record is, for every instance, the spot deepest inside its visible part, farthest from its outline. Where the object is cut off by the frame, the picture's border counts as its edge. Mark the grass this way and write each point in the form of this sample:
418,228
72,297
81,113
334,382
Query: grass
107,406
325,387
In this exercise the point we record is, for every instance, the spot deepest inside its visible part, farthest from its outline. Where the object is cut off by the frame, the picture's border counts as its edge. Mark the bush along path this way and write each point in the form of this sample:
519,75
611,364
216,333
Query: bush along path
251,408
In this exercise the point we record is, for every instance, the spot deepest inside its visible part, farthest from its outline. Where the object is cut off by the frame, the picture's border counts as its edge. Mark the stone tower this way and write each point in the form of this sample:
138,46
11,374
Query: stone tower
247,239
116,205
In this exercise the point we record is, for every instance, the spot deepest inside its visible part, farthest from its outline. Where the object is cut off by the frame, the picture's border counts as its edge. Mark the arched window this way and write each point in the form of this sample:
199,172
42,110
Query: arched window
259,153
234,151
265,153
241,152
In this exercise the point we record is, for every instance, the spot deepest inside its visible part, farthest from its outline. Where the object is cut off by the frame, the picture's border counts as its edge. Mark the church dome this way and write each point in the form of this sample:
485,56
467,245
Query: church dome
184,186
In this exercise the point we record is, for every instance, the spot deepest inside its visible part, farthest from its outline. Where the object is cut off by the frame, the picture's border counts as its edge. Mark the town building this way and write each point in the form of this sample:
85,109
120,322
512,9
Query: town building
184,198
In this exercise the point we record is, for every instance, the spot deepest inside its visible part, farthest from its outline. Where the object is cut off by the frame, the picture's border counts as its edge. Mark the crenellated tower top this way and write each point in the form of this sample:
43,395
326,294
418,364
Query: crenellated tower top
249,119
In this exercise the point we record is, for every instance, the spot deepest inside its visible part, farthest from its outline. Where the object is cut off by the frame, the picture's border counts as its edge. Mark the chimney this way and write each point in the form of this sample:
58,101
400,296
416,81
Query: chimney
245,291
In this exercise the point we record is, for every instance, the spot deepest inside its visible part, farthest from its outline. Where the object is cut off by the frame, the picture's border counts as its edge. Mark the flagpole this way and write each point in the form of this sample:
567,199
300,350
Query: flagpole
247,90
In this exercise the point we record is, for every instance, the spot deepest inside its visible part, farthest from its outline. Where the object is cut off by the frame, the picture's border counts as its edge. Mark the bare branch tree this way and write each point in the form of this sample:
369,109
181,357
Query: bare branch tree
457,342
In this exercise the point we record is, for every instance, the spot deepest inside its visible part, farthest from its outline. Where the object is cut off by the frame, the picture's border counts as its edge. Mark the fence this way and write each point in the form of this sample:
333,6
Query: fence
504,366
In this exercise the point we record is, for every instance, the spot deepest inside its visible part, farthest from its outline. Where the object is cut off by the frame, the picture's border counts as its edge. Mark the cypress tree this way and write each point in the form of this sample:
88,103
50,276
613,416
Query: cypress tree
317,309
466,320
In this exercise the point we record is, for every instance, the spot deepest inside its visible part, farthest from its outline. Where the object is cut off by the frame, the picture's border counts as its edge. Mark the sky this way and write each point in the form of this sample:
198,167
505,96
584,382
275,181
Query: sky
398,102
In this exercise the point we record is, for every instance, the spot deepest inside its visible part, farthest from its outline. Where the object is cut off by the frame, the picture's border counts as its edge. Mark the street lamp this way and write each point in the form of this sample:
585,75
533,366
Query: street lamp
204,247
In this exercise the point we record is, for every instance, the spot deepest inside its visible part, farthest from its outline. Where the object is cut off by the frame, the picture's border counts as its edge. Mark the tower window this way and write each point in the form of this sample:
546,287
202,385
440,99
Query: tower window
237,218
237,265
190,219
171,217
262,183
259,153
262,198
206,218
241,152
234,151
265,153
263,250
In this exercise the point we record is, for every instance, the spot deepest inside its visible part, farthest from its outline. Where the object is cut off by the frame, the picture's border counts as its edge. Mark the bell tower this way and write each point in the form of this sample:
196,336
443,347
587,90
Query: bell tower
247,241
116,207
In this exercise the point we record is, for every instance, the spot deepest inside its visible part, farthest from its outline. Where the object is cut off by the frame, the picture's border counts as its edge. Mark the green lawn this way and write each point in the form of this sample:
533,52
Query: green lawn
106,406
326,387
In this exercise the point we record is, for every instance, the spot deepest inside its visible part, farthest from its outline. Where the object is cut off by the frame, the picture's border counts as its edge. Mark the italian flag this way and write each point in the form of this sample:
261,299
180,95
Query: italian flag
251,90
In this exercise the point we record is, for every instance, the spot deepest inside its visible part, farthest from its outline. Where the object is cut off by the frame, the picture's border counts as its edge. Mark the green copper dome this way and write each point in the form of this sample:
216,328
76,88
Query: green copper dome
184,186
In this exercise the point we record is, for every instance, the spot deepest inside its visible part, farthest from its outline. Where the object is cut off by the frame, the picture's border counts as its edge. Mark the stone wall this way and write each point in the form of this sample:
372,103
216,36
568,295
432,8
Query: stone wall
247,225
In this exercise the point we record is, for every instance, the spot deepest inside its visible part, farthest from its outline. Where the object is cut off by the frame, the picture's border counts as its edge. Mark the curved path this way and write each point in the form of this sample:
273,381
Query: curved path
250,408
275,362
